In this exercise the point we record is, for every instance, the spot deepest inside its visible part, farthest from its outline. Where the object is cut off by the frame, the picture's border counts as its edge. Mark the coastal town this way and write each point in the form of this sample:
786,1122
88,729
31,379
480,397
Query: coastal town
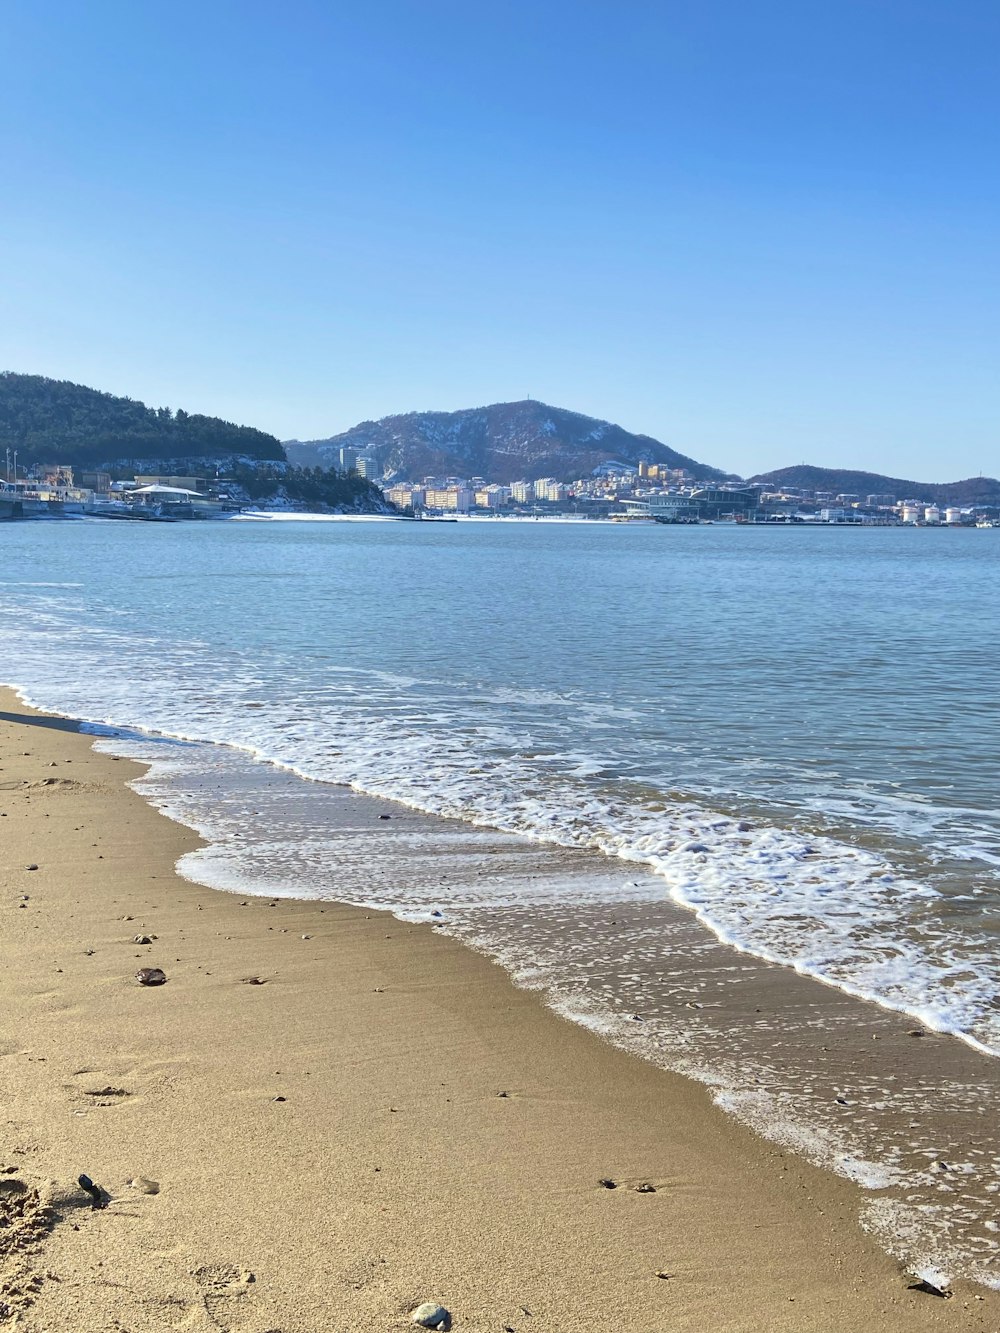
619,492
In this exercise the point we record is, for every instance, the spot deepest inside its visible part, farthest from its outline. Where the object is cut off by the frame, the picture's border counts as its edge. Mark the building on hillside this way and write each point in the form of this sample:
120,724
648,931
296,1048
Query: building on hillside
348,458
367,466
549,489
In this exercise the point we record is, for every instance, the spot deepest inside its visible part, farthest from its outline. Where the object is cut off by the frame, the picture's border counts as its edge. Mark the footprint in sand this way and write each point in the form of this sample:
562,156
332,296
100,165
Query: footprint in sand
227,1295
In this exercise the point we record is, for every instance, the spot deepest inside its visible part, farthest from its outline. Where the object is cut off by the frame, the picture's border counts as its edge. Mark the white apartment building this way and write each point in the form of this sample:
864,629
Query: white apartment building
550,489
407,497
457,498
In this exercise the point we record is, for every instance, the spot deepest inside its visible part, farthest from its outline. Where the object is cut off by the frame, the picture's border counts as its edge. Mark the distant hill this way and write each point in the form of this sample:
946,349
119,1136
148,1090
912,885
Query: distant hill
54,421
975,490
503,442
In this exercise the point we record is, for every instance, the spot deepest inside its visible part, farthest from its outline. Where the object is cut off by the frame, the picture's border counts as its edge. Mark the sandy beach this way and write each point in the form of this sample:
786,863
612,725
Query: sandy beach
383,1120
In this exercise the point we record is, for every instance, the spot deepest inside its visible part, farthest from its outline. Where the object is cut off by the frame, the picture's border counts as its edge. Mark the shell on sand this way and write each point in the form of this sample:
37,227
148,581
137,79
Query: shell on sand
431,1315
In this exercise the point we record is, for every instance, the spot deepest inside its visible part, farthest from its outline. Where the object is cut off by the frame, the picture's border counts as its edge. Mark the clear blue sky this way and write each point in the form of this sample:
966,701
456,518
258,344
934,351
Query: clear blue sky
765,233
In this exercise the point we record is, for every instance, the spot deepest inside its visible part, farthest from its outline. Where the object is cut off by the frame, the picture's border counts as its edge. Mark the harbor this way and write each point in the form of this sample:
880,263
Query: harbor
53,493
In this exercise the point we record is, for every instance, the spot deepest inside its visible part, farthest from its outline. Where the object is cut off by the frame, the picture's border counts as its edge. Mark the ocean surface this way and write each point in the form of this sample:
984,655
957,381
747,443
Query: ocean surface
786,740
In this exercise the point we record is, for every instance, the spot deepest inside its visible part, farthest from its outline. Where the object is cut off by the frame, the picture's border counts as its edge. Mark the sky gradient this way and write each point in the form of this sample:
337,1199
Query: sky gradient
765,233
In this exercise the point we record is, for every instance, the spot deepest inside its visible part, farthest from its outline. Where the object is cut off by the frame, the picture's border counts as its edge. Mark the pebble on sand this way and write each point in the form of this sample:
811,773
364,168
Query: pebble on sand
431,1315
145,1185
150,976
607,1183
141,939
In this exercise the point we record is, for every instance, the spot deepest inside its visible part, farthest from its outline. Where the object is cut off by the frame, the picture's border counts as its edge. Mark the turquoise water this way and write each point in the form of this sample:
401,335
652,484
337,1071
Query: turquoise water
792,733
591,683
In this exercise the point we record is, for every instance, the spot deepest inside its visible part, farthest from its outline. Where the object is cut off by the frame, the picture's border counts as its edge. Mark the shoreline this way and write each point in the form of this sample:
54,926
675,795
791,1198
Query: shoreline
393,1172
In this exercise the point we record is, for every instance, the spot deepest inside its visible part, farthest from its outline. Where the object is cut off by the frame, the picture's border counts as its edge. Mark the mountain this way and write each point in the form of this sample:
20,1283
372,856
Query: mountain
503,442
54,421
976,490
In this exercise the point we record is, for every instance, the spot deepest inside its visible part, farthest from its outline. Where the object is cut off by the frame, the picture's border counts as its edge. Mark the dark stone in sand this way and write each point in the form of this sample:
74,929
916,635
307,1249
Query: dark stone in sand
98,1196
385,816
142,939
150,976
607,1183
254,981
31,867
645,1188
279,1099
503,1094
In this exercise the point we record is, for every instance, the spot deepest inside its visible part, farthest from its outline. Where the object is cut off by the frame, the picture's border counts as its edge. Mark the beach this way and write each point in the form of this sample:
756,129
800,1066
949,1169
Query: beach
385,1120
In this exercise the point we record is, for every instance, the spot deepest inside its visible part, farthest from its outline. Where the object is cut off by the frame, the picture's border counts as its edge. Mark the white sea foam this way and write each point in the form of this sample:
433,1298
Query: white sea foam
831,911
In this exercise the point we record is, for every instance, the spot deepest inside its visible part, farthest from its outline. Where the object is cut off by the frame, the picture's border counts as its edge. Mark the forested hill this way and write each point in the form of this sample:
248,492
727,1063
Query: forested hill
54,421
974,490
503,442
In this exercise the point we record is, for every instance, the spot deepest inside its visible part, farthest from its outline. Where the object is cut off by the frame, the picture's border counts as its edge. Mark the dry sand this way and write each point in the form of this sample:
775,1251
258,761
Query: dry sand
392,1171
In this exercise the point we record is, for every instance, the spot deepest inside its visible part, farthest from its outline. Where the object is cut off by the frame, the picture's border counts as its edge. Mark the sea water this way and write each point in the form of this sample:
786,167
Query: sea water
785,740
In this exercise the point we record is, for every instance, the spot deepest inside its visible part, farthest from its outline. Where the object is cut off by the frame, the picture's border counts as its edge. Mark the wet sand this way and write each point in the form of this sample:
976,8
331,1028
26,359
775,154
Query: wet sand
392,1171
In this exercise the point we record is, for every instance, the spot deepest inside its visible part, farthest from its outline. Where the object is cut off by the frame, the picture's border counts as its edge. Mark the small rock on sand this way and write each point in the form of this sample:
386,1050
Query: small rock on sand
142,939
431,1315
150,976
607,1183
144,1185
